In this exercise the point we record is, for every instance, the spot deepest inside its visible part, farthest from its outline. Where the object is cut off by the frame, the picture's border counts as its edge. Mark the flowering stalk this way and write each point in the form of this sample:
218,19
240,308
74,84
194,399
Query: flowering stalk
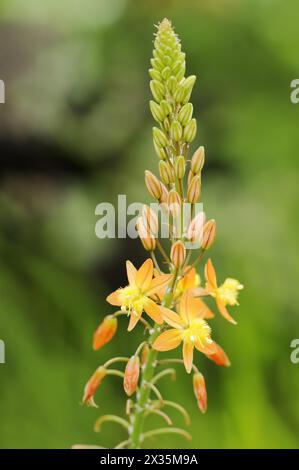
173,301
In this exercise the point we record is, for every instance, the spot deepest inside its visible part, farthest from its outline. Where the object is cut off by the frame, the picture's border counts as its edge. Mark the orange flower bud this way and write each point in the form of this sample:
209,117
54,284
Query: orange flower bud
104,332
174,202
153,185
219,356
209,234
190,176
195,229
144,353
200,391
150,220
131,375
92,386
198,159
164,195
147,240
178,254
193,192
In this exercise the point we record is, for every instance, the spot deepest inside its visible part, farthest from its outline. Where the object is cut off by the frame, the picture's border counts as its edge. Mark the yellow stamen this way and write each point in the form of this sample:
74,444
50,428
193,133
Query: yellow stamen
228,291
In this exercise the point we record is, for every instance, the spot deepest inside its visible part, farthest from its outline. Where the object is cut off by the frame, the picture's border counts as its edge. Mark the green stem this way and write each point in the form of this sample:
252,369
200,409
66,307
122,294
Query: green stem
143,394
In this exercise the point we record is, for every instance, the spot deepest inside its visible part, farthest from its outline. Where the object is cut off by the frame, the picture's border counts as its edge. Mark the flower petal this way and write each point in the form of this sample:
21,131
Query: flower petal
185,306
219,356
144,275
223,310
168,340
134,318
153,310
113,298
172,318
210,275
158,283
198,309
131,272
188,355
207,349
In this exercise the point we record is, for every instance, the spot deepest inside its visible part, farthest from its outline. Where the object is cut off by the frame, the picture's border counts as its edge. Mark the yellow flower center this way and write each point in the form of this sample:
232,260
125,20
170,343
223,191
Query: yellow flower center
198,332
228,291
132,298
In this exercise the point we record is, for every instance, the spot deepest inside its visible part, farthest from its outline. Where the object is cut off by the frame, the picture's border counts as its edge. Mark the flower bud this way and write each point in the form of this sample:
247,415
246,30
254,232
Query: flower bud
166,172
178,254
164,195
178,69
194,188
159,137
105,332
155,74
147,240
160,151
190,131
144,354
179,167
157,63
131,375
200,391
179,94
209,234
150,220
185,114
166,72
157,89
172,84
219,356
176,131
190,176
188,85
195,229
153,185
166,107
174,203
156,111
198,159
92,386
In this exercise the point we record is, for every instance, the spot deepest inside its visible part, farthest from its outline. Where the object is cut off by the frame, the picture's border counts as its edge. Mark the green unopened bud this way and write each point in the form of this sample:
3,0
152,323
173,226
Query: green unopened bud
157,111
166,124
155,74
188,85
157,89
185,114
178,69
172,84
190,131
179,167
179,94
198,160
166,72
159,137
176,131
166,107
166,172
160,151
194,188
157,64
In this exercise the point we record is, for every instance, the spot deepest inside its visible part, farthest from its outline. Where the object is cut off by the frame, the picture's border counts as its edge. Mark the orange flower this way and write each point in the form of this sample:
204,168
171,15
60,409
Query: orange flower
136,297
92,386
225,294
104,332
131,375
200,391
189,327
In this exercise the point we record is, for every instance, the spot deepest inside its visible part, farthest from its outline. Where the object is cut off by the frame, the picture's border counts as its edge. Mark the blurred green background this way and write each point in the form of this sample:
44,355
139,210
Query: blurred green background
75,131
